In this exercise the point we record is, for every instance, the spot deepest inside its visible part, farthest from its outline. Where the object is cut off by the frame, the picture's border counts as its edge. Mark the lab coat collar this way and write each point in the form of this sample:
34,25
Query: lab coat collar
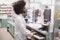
20,15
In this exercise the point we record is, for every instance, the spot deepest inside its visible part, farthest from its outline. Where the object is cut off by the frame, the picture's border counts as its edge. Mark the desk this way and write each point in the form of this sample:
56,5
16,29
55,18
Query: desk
36,28
34,25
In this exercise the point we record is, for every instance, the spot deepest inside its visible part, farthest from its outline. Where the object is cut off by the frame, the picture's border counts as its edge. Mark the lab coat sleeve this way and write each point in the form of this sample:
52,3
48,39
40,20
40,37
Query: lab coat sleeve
23,29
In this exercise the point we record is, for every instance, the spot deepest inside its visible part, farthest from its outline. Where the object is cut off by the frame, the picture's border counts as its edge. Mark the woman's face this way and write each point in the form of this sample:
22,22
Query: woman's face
24,11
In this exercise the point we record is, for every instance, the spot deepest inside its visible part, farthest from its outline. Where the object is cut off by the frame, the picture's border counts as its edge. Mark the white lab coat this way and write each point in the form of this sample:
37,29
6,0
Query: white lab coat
20,28
39,20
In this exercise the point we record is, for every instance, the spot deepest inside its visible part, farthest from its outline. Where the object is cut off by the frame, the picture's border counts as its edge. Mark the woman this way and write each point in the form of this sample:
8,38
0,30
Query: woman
21,31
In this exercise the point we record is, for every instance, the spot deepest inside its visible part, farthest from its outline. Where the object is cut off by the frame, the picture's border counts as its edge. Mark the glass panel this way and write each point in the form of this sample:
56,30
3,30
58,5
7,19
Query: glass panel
31,0
46,2
37,0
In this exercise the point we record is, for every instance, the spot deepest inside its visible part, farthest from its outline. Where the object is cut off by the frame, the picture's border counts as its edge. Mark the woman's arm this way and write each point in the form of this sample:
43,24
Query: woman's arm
22,25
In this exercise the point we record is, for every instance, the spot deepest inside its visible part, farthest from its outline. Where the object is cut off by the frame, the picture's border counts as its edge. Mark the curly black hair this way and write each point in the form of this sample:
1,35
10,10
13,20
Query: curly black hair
18,7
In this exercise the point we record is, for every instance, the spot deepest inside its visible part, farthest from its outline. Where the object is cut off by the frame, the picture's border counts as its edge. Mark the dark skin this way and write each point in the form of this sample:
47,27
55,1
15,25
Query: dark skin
24,12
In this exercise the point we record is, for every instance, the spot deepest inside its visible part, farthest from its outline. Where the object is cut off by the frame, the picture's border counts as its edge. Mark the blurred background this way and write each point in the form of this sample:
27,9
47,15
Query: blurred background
44,23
